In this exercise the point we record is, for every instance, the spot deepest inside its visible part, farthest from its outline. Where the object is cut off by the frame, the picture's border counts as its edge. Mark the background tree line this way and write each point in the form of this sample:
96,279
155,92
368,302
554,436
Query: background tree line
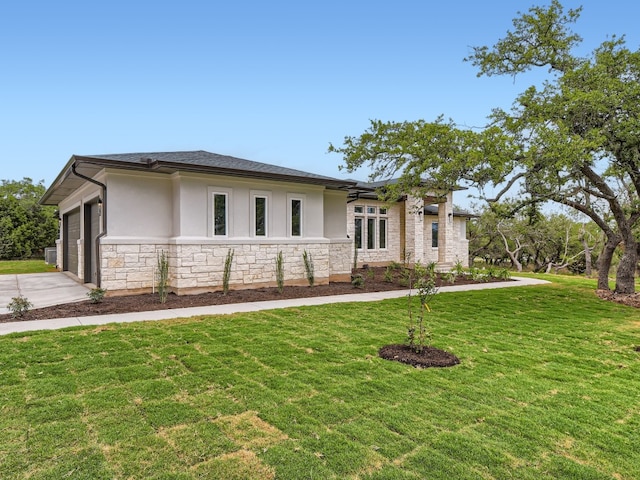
26,227
532,240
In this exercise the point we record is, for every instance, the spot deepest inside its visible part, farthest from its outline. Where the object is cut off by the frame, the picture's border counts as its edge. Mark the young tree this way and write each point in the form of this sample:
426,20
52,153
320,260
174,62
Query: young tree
573,141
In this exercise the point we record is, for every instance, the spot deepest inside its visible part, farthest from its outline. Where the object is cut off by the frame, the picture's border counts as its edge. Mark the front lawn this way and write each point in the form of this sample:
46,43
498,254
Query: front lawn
547,388
25,266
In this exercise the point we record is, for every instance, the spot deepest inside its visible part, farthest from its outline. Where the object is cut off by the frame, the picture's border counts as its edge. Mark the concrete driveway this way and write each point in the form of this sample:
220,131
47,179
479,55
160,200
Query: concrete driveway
41,289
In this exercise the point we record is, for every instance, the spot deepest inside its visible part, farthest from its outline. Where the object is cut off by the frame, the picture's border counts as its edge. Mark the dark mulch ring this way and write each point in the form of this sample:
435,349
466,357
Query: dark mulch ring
374,281
429,357
629,299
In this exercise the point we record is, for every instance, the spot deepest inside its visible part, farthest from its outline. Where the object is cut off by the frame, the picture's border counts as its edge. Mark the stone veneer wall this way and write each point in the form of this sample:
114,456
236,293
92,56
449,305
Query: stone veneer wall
197,268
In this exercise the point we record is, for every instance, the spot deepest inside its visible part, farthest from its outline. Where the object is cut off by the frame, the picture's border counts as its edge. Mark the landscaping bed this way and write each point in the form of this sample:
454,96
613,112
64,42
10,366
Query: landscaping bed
375,279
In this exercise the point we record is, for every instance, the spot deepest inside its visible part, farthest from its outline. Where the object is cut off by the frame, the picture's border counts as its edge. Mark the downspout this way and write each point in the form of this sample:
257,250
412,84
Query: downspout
104,218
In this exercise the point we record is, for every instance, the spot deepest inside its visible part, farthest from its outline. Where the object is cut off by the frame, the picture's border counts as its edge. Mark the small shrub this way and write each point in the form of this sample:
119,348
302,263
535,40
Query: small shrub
504,274
280,272
388,274
394,265
19,305
458,269
371,273
477,275
96,295
226,274
405,277
308,267
163,276
357,280
449,277
491,271
430,269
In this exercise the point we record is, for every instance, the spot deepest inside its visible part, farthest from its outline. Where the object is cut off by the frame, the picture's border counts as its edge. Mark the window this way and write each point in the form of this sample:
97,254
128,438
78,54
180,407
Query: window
371,233
220,214
382,241
260,205
371,227
434,234
296,217
358,234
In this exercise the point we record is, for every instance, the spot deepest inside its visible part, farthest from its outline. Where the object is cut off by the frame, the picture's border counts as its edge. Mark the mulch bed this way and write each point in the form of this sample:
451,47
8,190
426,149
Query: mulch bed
374,281
429,357
629,299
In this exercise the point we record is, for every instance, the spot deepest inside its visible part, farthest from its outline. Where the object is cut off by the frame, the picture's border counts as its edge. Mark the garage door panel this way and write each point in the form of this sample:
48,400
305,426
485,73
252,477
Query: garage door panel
72,235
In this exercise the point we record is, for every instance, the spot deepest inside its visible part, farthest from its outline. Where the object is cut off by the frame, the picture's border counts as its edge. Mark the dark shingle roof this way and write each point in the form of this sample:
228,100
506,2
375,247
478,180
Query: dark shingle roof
201,158
171,162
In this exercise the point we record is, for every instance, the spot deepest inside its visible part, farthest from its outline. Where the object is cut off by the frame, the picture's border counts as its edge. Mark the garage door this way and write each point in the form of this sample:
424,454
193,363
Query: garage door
71,237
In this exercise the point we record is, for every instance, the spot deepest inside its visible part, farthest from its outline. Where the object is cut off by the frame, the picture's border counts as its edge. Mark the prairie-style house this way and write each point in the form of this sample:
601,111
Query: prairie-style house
119,212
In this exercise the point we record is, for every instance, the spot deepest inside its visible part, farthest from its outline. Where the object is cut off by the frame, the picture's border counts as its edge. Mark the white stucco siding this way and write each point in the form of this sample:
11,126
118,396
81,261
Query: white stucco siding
139,205
175,214
334,216
194,194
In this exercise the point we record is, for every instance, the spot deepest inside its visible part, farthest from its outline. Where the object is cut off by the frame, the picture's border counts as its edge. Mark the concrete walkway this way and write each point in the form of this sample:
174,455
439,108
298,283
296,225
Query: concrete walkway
55,324
41,289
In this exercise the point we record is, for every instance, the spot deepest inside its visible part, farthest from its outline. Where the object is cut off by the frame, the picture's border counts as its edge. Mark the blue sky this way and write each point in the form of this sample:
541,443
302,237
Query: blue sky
268,81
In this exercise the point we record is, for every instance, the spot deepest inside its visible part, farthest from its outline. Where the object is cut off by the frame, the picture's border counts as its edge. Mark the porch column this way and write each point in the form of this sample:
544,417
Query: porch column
414,229
446,247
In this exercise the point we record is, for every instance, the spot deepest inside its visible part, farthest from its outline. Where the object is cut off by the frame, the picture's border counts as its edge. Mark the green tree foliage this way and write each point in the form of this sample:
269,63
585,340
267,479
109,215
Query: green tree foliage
539,242
26,227
573,140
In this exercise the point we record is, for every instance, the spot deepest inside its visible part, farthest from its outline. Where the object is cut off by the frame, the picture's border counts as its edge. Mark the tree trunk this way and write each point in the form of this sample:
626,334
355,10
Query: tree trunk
625,277
587,257
604,262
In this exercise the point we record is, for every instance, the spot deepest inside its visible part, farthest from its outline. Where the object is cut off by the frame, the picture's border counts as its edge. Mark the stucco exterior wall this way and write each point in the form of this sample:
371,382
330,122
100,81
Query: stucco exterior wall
139,205
150,214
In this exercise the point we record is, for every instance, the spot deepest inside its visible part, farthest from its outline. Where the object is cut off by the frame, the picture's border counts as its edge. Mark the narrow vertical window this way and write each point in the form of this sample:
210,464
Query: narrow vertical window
358,233
219,214
371,233
383,233
296,217
261,216
434,234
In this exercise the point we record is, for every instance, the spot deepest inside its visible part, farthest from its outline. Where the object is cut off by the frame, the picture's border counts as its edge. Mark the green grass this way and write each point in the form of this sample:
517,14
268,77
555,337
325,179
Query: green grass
547,388
25,266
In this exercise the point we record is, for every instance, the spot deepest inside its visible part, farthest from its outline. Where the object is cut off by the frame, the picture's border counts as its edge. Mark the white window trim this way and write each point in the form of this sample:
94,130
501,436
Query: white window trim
211,191
303,200
365,227
252,212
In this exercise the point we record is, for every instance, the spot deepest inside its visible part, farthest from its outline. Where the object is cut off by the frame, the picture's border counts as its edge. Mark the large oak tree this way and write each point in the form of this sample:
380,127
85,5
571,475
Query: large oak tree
574,140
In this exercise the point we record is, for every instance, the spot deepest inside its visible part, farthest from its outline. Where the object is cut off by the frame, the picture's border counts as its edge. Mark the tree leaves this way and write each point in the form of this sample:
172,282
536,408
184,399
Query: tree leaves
26,227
